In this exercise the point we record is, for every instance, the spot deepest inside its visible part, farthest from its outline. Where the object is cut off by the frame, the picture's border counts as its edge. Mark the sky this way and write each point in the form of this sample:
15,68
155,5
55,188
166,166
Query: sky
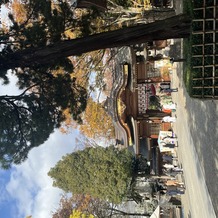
26,189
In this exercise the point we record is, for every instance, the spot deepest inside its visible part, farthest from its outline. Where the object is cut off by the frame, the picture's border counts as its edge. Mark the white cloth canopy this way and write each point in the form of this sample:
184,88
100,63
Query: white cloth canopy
156,213
165,142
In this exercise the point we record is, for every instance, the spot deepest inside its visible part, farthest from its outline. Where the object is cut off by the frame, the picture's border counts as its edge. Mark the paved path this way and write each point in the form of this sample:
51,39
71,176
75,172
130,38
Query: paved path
197,130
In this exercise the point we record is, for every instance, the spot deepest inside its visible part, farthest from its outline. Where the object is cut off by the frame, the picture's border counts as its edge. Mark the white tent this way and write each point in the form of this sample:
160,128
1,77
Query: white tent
156,213
166,144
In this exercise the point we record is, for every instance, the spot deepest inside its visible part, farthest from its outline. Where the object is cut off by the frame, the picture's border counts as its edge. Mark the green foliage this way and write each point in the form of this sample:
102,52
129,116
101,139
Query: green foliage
26,122
154,103
187,47
28,119
103,173
96,122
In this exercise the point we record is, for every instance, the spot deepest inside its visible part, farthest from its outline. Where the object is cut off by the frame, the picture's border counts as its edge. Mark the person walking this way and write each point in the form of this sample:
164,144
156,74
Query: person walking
177,169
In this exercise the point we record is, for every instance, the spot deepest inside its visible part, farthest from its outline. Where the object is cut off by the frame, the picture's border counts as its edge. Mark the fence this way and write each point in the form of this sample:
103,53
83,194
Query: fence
205,49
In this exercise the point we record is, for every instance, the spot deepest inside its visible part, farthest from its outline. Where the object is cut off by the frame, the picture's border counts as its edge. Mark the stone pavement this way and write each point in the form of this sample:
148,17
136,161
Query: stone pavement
197,131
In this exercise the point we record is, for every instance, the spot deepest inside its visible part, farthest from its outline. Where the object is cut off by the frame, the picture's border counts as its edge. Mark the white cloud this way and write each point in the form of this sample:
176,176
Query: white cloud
11,88
29,183
4,196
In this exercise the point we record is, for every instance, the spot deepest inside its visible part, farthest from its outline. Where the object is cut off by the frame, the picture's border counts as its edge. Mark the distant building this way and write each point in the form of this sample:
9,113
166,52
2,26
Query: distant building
138,109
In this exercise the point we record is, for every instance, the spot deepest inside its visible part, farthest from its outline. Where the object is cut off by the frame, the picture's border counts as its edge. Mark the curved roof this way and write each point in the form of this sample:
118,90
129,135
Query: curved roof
122,79
123,119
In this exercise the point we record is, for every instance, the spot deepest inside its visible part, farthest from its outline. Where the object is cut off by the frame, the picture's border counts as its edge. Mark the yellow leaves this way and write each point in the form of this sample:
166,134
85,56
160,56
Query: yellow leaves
79,214
146,4
71,34
97,122
19,11
69,123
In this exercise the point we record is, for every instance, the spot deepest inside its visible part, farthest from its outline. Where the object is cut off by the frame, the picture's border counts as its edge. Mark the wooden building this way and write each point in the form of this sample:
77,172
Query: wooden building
138,108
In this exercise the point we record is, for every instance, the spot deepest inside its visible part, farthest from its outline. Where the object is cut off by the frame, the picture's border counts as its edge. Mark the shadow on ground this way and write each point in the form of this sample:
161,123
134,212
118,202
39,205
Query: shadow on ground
203,124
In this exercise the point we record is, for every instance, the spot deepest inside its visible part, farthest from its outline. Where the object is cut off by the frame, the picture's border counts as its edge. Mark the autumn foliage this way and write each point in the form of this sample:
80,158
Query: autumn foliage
96,121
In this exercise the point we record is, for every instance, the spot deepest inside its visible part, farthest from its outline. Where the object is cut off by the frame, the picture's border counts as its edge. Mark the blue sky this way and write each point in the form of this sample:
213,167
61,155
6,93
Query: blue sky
26,189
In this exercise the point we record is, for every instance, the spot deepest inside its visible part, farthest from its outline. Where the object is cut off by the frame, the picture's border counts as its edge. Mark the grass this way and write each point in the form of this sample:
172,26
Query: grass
187,50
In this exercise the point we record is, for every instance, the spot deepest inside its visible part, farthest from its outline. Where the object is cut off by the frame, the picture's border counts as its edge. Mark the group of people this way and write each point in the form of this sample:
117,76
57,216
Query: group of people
166,101
172,186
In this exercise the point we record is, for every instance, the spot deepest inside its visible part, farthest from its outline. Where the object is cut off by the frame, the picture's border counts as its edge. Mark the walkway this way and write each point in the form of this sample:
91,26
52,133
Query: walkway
197,130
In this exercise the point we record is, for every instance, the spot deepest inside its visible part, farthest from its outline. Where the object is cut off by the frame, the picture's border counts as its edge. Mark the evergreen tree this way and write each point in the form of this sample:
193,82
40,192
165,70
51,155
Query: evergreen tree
103,173
29,118
174,27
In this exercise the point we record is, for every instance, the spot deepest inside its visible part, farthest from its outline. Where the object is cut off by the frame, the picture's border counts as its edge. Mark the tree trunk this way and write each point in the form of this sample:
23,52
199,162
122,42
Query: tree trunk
158,14
174,27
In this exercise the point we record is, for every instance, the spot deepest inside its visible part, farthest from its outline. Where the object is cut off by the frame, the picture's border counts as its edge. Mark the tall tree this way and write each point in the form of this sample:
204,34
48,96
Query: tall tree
29,118
174,27
103,173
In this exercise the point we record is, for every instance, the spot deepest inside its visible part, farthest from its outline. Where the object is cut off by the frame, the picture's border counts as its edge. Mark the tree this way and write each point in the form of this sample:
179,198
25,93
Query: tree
19,11
103,173
85,204
174,27
96,122
29,118
79,214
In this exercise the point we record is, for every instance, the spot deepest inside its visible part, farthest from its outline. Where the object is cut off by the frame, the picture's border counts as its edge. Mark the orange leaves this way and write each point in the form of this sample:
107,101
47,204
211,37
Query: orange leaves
19,11
97,122
69,123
